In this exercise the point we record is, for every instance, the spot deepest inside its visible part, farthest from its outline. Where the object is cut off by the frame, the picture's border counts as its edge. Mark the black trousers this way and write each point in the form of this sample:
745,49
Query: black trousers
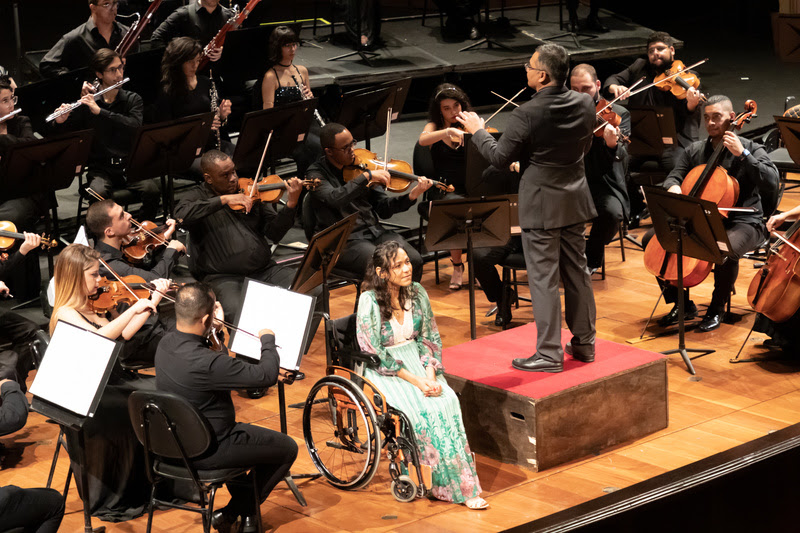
485,266
228,290
105,183
357,253
17,362
609,214
271,453
743,238
35,510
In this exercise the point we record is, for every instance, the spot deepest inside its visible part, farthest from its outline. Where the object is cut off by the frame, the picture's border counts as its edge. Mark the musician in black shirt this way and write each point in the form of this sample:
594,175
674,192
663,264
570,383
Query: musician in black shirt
76,48
186,366
200,20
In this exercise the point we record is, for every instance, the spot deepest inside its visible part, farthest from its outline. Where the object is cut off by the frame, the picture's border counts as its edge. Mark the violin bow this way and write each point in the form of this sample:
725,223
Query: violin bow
135,222
504,105
667,78
500,96
258,172
386,144
119,279
614,101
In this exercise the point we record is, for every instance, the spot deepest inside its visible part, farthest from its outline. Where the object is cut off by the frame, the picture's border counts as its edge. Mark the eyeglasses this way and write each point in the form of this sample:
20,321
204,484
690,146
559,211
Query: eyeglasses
350,146
528,67
114,70
12,100
110,6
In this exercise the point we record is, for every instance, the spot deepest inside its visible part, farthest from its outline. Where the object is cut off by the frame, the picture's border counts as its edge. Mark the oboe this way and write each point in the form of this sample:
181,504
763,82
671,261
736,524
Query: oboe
316,112
215,107
10,115
72,107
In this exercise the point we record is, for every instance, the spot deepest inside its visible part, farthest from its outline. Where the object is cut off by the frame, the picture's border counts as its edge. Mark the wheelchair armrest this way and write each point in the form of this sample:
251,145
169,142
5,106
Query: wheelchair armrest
357,356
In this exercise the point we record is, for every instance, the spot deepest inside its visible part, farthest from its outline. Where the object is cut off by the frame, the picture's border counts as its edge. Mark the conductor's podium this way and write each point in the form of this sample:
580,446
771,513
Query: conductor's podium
539,420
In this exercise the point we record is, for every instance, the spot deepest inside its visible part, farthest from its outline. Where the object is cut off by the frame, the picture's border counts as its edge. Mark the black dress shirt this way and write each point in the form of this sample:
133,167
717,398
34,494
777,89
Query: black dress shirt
19,130
334,200
76,48
114,128
229,242
13,408
186,366
195,102
191,21
756,174
686,122
116,260
606,167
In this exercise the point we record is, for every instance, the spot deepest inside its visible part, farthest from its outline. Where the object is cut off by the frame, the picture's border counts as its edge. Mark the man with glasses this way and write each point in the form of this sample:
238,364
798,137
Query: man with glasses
114,118
366,195
200,19
549,136
76,48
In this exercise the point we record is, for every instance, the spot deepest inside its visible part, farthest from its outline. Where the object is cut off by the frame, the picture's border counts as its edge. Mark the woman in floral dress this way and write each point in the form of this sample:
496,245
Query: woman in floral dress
395,322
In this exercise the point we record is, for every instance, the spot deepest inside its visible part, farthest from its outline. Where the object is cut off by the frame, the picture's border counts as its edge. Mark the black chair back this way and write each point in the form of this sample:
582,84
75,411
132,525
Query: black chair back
341,344
308,220
422,161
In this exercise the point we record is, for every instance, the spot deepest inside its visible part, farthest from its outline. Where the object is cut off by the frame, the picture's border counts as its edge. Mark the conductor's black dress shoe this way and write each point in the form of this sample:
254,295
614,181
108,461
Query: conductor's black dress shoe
536,364
580,352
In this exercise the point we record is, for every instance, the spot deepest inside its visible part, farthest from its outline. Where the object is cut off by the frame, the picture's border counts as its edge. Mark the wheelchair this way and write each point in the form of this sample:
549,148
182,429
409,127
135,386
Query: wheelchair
348,424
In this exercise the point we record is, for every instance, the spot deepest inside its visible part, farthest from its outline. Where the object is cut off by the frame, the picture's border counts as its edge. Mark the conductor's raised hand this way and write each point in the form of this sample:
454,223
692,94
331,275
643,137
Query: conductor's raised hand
471,121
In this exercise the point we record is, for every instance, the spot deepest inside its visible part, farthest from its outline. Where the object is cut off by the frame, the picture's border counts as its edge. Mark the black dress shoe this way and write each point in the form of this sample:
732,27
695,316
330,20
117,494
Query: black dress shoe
474,33
594,24
583,353
709,322
689,312
223,522
250,524
503,317
256,393
536,364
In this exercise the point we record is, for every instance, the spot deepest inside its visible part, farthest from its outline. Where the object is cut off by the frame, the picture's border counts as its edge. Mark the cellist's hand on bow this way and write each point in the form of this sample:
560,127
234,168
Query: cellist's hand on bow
380,177
423,184
733,143
238,199
293,187
776,220
471,121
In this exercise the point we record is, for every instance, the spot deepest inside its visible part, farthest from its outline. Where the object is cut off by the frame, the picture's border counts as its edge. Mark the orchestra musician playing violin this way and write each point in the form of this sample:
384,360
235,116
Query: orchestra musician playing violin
76,48
228,245
445,137
186,366
660,57
748,163
549,135
606,168
199,19
365,194
114,117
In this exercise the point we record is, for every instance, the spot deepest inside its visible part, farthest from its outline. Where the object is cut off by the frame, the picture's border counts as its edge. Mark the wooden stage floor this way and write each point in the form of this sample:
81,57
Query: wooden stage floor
730,405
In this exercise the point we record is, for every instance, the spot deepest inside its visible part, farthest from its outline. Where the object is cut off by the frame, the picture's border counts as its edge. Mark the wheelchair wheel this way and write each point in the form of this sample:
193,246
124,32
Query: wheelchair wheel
341,432
404,489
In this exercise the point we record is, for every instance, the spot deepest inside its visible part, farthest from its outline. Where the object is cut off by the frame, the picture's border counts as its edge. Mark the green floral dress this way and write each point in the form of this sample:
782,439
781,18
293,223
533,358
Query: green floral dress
414,345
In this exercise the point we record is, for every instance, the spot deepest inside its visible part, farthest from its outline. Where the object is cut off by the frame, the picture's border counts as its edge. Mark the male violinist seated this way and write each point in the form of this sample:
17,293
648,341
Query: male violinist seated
186,366
749,164
231,236
365,194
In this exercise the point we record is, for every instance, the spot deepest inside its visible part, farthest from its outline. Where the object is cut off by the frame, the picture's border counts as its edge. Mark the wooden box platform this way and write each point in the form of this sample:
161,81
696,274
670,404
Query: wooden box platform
539,420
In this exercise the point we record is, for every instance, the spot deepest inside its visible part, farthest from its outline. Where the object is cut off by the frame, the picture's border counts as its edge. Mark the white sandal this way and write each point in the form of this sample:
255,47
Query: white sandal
478,505
457,277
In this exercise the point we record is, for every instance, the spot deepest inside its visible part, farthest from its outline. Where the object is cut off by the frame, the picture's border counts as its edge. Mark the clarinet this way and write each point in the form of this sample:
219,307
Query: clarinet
316,112
215,107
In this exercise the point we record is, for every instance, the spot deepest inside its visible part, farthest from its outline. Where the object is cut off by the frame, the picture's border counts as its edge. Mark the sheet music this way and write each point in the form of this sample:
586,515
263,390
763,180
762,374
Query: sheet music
73,368
285,312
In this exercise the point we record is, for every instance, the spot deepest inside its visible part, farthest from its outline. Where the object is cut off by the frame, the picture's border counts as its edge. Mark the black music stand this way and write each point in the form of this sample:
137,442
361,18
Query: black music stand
402,86
364,112
687,226
652,130
789,129
487,39
69,420
461,223
289,125
160,149
45,166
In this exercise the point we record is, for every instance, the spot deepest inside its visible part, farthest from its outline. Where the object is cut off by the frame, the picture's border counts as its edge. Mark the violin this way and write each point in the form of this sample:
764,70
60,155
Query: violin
606,115
9,235
709,182
775,290
146,239
269,189
678,80
111,292
400,171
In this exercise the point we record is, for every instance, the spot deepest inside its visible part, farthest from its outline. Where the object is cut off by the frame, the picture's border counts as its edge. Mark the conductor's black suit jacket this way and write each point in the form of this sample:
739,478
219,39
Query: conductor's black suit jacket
549,136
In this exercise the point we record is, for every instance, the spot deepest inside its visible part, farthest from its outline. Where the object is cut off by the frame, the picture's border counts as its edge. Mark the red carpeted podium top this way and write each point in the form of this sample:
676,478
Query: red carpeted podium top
488,361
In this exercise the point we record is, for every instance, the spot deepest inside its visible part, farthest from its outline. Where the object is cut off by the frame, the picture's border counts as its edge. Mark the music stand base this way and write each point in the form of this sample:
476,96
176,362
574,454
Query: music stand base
685,356
573,35
364,54
490,43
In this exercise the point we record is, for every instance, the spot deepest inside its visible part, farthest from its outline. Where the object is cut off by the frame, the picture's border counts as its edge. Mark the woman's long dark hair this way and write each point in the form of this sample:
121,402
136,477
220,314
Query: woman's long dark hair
443,92
383,257
179,51
280,36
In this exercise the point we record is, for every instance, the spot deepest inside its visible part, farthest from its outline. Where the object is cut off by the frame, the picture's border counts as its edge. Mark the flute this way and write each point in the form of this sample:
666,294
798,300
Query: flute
316,112
71,107
10,115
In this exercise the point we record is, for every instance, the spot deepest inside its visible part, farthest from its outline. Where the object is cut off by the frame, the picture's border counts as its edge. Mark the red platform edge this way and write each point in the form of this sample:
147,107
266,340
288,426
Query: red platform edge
488,361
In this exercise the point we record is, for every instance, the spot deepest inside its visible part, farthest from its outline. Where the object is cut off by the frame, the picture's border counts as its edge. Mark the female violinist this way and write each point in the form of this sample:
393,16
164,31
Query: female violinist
445,137
746,162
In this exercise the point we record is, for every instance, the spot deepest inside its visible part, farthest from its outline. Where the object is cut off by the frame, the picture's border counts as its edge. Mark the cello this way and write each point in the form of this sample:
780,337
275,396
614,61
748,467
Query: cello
775,290
708,182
